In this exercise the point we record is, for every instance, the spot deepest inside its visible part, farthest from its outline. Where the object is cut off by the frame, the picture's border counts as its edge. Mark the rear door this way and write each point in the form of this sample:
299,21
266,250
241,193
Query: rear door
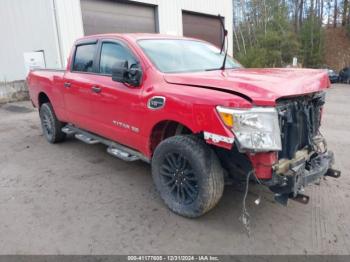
79,82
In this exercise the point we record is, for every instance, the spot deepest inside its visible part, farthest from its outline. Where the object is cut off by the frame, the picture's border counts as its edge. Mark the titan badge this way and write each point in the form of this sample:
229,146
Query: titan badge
126,126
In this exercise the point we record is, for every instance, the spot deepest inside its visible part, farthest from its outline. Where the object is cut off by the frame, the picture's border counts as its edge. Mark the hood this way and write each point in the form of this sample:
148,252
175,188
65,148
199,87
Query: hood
262,86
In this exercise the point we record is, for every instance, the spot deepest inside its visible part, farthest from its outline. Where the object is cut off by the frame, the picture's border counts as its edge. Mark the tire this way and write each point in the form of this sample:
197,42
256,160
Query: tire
188,175
51,126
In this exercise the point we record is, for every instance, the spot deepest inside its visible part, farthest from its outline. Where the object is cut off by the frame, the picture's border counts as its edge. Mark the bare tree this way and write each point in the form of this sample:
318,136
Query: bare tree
321,12
296,14
335,18
345,10
301,12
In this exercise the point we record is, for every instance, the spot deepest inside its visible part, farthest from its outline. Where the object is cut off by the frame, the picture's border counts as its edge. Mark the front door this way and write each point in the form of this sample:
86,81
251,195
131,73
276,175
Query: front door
117,107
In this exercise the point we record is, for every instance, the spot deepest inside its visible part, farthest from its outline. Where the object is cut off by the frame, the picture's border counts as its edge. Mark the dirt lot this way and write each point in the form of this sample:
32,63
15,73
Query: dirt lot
73,198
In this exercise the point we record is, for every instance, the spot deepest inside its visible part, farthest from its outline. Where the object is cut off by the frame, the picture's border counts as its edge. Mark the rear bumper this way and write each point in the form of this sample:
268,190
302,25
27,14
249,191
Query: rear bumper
299,175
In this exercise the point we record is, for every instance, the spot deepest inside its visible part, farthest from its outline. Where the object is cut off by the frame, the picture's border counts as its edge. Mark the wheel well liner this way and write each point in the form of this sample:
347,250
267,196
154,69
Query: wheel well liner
42,98
165,129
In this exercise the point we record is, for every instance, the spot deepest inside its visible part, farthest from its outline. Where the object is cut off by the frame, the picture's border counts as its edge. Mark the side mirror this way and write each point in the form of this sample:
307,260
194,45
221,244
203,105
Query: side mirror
121,73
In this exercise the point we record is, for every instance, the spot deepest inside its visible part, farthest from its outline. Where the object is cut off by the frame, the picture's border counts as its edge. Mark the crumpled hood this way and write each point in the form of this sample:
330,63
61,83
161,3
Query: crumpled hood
262,86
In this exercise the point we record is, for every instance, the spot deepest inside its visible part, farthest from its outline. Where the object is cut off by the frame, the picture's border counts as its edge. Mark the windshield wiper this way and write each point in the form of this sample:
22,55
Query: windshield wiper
213,69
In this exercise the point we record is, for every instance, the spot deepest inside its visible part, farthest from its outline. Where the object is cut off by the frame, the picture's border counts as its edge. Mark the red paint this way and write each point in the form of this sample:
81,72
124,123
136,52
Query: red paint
262,86
262,164
188,99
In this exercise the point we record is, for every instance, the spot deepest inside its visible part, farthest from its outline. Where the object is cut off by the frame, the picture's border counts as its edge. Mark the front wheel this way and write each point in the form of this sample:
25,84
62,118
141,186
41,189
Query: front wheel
188,175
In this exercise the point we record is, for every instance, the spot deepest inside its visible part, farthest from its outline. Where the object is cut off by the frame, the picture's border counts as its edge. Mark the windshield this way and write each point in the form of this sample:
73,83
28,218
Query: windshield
179,55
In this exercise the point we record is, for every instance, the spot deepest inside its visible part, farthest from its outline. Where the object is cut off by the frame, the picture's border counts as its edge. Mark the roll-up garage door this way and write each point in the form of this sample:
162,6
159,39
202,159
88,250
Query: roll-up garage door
202,26
108,16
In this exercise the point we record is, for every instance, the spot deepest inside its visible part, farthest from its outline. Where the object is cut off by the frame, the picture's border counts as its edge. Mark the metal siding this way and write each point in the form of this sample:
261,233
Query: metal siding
170,14
70,25
25,25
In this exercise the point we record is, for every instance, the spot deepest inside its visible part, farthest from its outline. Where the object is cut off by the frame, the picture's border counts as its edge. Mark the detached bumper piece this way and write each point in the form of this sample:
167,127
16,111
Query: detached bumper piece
302,173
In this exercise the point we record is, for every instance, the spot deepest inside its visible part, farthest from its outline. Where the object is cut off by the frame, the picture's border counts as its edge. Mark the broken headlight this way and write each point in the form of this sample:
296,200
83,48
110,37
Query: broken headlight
256,129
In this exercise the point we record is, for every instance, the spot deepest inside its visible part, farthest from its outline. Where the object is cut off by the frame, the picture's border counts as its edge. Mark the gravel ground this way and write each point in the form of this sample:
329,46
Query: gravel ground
73,198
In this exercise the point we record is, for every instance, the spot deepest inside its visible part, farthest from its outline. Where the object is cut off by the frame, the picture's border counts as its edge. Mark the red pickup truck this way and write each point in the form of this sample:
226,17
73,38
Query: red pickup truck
168,101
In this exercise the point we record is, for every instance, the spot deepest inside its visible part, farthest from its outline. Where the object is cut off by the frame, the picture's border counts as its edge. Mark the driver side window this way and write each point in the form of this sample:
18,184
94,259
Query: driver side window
112,53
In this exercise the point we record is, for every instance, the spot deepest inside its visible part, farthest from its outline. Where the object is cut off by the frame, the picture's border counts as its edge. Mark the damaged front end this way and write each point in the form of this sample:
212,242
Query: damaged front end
289,178
304,158
282,145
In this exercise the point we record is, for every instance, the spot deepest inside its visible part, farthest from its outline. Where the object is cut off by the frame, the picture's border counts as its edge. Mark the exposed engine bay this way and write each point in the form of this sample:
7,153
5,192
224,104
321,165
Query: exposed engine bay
300,120
304,158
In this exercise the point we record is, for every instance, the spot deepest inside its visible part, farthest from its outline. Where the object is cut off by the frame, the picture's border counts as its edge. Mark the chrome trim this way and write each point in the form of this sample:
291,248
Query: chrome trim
218,138
153,97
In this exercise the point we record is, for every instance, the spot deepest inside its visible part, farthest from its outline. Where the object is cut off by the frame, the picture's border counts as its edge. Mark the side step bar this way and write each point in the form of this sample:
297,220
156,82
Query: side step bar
66,129
115,149
121,154
86,139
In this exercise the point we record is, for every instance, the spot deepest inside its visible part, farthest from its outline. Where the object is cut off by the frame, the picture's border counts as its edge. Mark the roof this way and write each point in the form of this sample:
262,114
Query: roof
133,36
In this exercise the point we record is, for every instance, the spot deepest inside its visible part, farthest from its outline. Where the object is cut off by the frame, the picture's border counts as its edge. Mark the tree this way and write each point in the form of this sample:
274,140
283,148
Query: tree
345,10
335,18
269,33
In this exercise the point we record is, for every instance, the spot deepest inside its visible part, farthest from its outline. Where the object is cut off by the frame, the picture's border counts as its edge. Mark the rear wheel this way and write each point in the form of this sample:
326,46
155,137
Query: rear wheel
50,124
188,175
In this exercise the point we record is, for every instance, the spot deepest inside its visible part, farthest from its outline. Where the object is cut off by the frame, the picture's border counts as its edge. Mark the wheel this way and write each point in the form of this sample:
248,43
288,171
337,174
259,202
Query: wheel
188,175
50,124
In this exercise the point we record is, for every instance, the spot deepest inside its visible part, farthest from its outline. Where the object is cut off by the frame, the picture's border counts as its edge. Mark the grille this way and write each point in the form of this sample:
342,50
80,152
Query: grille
300,120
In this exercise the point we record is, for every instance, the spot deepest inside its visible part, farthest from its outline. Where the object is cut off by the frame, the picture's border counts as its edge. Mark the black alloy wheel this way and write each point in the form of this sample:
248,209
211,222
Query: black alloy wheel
179,178
188,175
51,126
47,125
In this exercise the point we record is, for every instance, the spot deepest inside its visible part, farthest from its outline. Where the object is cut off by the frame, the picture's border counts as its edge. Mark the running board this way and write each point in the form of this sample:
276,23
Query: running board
68,130
115,149
86,139
121,154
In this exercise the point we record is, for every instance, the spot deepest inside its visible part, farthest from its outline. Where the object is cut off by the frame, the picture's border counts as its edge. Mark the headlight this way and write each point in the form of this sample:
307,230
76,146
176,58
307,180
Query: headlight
256,129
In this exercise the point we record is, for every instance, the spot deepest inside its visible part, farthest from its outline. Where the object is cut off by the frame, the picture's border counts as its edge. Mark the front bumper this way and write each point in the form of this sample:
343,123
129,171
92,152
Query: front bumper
300,174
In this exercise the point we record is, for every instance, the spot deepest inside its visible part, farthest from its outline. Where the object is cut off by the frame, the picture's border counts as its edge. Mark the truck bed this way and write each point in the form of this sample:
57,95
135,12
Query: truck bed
50,82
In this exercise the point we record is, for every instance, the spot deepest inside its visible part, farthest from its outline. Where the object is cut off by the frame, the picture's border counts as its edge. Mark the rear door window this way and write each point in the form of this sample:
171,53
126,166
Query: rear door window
84,58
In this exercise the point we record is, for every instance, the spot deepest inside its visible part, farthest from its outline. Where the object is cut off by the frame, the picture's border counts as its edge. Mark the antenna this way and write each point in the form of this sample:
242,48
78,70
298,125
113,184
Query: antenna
224,31
223,41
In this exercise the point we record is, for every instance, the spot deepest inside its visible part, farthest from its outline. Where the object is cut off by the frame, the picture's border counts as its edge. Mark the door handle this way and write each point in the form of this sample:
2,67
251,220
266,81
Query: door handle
67,84
96,89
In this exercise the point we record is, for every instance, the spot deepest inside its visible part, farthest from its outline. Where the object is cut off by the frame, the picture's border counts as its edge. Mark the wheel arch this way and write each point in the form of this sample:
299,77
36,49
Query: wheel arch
165,129
43,98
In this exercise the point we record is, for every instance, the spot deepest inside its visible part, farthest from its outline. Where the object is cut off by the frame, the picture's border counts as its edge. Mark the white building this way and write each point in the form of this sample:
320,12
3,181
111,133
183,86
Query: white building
49,27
